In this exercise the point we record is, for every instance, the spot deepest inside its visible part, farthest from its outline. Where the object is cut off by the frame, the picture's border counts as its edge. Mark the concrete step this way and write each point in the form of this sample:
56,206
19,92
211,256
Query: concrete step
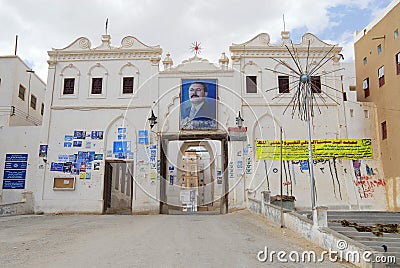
356,233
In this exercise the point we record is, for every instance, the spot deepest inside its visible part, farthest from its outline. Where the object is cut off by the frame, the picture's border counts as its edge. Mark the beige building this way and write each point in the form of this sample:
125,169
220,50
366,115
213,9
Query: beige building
377,57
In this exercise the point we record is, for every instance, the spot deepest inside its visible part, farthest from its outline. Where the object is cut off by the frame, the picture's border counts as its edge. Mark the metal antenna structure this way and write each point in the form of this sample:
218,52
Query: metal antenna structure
306,83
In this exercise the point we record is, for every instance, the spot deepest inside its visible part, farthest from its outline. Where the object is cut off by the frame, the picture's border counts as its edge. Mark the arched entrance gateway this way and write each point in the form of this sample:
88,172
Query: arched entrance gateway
193,171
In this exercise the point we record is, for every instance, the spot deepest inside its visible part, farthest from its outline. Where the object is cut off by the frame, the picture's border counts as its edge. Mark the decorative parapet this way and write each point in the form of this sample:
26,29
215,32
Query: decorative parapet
260,46
130,48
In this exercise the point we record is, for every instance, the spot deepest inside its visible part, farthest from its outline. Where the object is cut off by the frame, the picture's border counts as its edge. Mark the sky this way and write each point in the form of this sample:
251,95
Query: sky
176,24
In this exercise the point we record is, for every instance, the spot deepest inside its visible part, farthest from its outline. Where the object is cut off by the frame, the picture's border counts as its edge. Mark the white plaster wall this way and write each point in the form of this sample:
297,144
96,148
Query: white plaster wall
20,140
13,73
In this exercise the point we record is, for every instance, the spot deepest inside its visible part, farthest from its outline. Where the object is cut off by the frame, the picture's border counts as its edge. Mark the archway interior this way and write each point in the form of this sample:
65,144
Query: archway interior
192,172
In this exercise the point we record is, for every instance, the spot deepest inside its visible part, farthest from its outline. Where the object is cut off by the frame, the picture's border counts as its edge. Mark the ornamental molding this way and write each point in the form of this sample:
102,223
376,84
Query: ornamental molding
131,48
259,47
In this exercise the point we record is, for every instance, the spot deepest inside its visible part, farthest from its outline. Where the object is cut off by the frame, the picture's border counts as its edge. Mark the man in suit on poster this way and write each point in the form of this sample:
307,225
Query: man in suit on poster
199,112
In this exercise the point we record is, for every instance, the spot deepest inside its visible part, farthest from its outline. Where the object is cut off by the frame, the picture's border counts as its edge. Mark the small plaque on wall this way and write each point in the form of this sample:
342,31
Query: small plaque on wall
64,184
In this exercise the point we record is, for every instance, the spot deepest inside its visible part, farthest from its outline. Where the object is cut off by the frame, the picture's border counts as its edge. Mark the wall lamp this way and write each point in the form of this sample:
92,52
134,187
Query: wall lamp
239,121
152,119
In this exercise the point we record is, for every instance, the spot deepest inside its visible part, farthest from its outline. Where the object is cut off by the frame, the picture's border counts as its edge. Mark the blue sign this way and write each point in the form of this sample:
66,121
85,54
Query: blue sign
120,147
14,174
15,165
143,133
13,184
143,140
16,157
304,165
56,166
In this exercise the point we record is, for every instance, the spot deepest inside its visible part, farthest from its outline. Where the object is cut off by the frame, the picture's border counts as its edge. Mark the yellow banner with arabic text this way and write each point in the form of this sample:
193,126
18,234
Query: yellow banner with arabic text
352,149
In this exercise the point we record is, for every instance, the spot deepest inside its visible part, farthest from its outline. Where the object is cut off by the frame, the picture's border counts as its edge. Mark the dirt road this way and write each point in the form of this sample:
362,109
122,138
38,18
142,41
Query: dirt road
231,240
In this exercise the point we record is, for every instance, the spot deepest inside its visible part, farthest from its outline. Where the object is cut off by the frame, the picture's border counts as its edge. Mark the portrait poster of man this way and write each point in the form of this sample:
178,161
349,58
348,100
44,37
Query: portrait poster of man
198,104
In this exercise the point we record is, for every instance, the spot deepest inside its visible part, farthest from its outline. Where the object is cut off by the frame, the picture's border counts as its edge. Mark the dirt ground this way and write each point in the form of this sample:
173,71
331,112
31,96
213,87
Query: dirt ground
231,240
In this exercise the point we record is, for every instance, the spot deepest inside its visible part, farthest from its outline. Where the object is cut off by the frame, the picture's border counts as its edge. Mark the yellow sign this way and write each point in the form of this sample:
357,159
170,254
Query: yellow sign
351,149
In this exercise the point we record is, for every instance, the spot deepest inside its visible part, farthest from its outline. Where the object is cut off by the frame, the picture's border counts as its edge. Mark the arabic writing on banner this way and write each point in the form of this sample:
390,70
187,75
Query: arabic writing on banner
351,149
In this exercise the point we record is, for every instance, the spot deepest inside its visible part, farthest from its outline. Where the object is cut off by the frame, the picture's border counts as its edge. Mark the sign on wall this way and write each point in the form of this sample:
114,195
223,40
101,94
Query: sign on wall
351,149
15,171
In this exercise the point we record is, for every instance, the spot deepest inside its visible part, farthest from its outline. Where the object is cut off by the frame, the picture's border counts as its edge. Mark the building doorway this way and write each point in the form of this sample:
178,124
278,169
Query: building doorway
193,175
118,187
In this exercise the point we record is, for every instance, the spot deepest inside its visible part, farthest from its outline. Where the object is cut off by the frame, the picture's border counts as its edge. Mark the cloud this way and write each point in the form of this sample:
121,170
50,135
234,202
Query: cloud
174,24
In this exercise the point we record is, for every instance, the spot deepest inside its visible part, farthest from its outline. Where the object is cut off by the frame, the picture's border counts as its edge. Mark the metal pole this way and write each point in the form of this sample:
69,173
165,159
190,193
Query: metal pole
310,155
281,177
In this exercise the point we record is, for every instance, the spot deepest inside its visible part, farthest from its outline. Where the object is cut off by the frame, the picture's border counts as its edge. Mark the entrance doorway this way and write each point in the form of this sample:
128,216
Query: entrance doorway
194,175
118,187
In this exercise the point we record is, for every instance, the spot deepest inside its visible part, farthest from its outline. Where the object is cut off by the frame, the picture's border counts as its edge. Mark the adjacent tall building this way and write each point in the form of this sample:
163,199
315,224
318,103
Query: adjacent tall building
22,93
377,58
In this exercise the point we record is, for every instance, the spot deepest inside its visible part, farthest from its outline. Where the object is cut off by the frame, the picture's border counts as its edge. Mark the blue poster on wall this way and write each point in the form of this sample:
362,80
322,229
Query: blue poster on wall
16,157
13,184
15,171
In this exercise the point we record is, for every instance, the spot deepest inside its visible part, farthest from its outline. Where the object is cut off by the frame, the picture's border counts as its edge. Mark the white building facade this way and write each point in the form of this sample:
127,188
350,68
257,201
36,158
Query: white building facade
102,151
22,91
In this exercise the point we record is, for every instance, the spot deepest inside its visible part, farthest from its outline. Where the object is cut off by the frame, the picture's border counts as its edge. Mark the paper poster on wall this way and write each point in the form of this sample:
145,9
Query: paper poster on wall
88,144
68,138
88,175
67,144
96,135
96,165
55,166
79,134
239,164
15,171
67,168
130,156
77,144
121,136
121,130
63,158
88,166
143,140
98,157
82,175
304,165
143,133
43,150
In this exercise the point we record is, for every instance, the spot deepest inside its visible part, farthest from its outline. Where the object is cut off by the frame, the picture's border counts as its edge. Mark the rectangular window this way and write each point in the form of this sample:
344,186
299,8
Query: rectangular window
69,85
33,102
42,109
365,61
366,114
316,84
379,48
381,76
366,87
398,63
97,85
21,92
283,83
344,96
396,34
251,84
384,130
127,85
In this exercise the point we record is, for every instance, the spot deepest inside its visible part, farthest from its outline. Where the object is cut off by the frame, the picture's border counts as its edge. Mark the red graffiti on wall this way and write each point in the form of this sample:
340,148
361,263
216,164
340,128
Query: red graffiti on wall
287,183
366,185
